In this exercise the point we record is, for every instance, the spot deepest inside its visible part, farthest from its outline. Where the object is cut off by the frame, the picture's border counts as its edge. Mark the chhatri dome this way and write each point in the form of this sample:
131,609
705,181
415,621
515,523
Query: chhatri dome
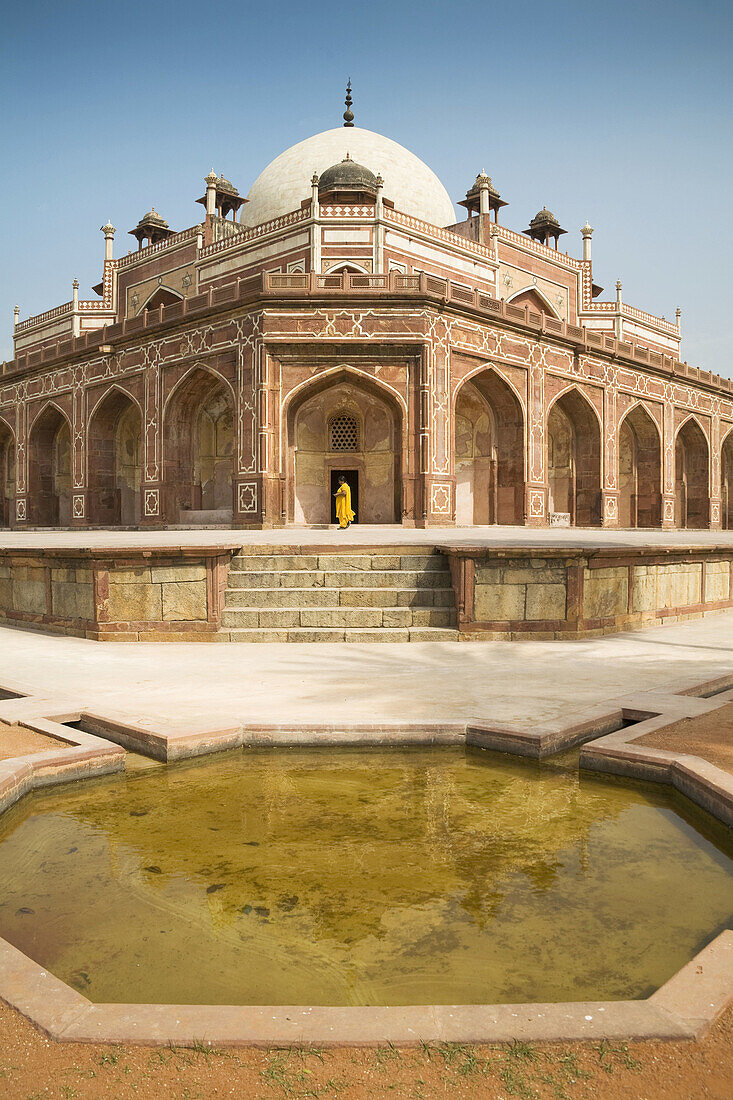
408,182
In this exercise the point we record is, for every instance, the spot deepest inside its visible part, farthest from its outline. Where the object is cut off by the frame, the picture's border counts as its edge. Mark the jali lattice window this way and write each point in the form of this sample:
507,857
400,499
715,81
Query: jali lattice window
344,433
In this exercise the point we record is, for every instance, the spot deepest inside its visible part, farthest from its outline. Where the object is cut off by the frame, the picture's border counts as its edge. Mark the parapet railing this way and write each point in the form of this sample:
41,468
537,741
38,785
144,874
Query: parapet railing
311,285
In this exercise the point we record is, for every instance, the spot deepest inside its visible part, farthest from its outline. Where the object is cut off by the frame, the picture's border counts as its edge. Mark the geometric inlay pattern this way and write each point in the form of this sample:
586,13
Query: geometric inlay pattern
247,497
152,502
344,433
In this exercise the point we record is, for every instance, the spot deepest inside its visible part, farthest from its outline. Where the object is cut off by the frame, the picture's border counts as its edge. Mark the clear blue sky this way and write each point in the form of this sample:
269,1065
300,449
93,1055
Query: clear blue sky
619,113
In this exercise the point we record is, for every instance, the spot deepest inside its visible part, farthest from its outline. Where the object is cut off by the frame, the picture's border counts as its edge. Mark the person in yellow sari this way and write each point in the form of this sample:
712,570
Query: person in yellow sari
344,513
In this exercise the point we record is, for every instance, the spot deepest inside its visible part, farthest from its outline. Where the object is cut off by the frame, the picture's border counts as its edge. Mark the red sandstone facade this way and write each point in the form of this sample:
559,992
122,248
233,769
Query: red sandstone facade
460,375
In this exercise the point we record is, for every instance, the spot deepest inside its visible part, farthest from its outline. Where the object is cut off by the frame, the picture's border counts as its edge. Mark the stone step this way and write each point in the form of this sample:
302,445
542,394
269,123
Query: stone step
414,634
351,578
289,618
337,562
333,597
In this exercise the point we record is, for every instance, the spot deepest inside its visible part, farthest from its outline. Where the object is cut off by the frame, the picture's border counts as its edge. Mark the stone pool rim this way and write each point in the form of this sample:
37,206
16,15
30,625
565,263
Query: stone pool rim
683,1008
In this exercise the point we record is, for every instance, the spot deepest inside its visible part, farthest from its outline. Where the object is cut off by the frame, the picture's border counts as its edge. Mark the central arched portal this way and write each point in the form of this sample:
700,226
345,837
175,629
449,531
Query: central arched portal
344,424
489,452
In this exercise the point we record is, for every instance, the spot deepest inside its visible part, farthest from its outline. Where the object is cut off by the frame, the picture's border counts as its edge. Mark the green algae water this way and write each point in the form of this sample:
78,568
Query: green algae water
347,877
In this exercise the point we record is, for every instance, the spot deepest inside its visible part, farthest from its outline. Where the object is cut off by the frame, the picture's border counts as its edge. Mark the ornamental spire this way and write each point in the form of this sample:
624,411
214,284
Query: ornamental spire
348,113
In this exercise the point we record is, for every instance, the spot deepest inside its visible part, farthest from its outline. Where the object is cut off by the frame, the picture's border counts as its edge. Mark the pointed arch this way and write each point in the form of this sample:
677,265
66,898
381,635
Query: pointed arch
529,291
500,374
197,368
162,295
692,474
118,388
726,479
47,407
639,469
7,472
49,467
488,450
348,266
574,434
114,459
199,447
374,465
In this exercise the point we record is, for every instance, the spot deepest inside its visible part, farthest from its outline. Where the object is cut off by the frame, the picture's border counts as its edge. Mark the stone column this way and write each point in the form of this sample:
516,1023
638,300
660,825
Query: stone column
437,482
79,492
250,397
536,492
20,517
152,503
668,467
609,451
716,521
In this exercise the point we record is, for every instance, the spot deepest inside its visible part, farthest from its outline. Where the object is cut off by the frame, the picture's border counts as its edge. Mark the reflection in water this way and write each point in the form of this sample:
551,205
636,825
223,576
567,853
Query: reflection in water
360,877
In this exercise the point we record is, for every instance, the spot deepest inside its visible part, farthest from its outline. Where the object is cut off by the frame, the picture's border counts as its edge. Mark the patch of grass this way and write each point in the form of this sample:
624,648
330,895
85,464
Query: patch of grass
611,1057
515,1082
522,1052
109,1058
387,1054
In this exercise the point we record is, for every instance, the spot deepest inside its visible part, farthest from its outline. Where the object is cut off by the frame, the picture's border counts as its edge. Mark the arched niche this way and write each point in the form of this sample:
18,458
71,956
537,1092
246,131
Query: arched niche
49,469
488,452
115,461
7,474
367,448
639,470
574,460
726,482
692,478
199,450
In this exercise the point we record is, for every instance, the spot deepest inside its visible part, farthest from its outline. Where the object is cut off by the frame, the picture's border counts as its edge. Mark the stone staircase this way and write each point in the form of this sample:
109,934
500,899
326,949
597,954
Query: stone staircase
360,596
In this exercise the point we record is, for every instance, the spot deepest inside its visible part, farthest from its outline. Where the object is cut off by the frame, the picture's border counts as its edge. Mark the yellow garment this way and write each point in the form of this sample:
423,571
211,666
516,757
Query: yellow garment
344,513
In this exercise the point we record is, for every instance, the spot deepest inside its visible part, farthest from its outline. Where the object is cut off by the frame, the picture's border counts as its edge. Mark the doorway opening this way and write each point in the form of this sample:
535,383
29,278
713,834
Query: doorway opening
352,478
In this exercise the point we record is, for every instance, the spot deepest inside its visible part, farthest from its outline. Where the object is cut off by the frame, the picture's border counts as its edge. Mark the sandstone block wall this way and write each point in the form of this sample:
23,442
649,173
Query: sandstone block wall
553,594
143,595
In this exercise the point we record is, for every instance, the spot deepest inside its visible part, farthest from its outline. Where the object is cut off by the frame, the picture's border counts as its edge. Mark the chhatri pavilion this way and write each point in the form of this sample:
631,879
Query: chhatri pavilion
341,320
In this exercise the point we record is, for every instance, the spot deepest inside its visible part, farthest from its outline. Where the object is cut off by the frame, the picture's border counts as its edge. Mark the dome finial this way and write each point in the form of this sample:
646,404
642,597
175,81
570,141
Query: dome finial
348,113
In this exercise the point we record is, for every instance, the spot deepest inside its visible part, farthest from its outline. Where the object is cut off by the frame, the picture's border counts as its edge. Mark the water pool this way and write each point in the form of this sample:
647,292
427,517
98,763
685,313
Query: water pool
349,877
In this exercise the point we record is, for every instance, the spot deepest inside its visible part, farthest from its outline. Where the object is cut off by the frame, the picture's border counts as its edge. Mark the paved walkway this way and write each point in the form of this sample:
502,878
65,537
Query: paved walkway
360,535
523,683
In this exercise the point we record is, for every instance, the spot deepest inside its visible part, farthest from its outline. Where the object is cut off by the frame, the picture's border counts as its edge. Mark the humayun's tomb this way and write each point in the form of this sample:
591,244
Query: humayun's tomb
340,319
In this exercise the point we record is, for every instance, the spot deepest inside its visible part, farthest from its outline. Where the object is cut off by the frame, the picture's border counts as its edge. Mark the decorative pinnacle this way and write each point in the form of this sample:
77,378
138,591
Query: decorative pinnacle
108,229
212,177
348,113
618,284
587,230
380,181
75,284
314,179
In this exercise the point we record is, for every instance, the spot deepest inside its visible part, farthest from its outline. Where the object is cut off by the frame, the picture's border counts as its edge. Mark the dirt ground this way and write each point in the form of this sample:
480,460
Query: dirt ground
708,735
17,741
33,1067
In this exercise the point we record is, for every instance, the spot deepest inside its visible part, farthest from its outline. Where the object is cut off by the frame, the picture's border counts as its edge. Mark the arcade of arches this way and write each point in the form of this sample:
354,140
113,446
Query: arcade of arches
346,422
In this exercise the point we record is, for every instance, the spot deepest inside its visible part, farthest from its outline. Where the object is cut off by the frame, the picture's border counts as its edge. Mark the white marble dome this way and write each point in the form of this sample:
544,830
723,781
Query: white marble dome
408,183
